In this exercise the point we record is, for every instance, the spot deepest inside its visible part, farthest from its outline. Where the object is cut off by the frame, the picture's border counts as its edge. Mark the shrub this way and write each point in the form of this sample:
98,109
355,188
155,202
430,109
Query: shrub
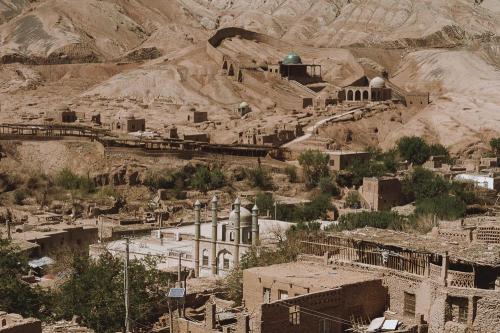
422,183
315,166
328,186
360,170
381,220
19,196
265,202
260,178
353,200
201,179
217,178
413,149
71,181
444,206
291,172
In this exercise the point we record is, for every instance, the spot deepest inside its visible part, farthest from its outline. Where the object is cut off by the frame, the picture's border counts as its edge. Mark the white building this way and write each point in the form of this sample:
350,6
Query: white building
216,250
485,181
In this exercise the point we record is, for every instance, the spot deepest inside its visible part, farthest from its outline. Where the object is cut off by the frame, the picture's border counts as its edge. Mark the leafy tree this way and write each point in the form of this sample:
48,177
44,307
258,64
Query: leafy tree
495,145
318,208
439,150
353,200
291,172
201,179
315,166
94,291
413,149
264,201
360,170
422,184
15,295
328,186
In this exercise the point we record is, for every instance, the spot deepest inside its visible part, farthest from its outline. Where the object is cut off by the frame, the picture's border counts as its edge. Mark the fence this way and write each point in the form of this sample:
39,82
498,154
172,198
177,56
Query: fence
367,253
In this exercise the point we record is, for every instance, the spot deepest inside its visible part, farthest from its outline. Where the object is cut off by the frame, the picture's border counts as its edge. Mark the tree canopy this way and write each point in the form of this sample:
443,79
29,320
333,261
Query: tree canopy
315,166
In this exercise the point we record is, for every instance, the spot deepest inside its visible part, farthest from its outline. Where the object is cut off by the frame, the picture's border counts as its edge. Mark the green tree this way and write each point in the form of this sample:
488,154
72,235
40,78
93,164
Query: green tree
15,295
437,149
423,183
495,145
201,179
353,200
413,149
217,178
328,186
315,166
94,291
71,181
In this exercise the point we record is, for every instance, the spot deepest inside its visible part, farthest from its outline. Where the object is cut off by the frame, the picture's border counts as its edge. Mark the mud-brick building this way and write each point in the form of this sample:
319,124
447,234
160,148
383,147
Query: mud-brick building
14,323
417,99
381,193
454,286
343,159
59,237
127,122
63,115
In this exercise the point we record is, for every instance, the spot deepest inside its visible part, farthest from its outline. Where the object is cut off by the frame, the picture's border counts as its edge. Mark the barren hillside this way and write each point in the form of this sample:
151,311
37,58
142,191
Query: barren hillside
450,48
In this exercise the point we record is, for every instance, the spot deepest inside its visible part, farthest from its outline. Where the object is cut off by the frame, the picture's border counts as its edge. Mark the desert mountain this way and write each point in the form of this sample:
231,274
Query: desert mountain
449,48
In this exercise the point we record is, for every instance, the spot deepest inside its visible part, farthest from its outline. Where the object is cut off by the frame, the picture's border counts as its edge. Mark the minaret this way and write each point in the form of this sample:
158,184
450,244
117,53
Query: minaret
236,254
255,225
213,261
197,227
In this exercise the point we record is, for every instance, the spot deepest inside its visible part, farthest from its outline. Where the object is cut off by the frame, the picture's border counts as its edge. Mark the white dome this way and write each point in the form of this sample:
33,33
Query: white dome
377,82
243,105
245,217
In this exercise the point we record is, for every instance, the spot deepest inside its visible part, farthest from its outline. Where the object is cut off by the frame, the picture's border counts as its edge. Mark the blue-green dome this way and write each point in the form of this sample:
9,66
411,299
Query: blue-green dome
292,58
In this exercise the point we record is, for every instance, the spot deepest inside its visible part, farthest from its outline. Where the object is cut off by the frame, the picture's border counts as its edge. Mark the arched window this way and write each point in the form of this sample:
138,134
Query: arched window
365,95
349,95
4,323
357,95
204,257
225,259
224,65
231,70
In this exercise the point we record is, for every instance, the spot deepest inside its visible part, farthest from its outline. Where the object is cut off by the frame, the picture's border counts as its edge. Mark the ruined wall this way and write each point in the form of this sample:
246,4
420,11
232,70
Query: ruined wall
488,314
368,298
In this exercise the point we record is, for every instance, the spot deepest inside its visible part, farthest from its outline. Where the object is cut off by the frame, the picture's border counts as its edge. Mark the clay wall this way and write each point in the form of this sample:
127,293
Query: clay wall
360,299
418,100
14,323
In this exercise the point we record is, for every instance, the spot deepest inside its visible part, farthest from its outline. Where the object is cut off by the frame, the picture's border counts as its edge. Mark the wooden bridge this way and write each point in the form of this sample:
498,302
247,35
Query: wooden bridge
163,145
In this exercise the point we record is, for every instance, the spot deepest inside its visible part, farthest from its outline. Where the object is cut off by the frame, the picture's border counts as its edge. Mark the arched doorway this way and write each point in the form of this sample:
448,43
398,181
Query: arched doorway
224,65
365,95
349,95
231,70
357,95
240,76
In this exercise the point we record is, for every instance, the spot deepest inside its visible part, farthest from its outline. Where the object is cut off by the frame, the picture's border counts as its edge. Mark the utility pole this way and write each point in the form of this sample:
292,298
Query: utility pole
127,300
179,271
8,217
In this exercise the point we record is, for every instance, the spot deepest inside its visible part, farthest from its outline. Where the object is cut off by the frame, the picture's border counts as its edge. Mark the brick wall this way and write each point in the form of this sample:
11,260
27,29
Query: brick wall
334,308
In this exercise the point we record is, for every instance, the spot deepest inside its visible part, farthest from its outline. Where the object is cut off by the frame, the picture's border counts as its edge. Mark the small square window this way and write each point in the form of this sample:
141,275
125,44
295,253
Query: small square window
282,294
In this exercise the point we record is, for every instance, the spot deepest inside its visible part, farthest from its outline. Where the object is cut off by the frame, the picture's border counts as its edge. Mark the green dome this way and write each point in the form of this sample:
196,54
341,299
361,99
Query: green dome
292,58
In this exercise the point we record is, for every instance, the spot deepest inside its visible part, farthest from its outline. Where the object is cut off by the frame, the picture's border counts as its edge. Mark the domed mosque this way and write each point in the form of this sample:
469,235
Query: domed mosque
365,90
292,68
292,58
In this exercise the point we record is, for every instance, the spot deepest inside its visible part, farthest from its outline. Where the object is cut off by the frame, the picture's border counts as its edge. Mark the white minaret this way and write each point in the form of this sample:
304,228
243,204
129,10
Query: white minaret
236,254
214,236
255,225
197,227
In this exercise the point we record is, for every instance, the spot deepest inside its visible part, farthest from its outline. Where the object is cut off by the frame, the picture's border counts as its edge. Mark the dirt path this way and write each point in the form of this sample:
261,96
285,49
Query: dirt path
310,130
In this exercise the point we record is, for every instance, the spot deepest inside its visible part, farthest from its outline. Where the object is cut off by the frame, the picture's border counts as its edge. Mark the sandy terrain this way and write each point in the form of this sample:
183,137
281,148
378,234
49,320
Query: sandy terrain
451,49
